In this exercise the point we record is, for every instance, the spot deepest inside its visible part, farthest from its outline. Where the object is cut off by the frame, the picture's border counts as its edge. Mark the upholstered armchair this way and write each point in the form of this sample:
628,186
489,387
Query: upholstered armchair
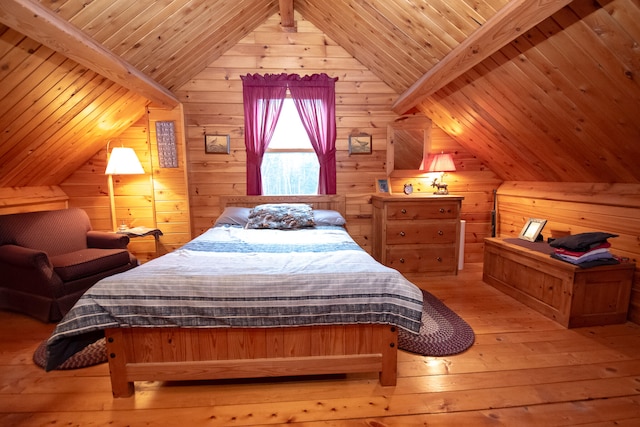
49,259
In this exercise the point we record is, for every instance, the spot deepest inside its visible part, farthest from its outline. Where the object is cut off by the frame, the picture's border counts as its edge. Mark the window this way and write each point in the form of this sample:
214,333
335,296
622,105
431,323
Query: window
290,165
314,96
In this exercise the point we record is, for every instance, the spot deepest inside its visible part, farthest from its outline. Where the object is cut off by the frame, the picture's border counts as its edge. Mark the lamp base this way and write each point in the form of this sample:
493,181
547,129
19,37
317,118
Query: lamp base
441,191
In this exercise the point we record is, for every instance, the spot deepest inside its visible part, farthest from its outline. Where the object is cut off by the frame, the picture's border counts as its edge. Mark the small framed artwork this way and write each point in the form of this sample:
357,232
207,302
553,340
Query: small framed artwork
360,144
166,141
382,186
217,144
532,229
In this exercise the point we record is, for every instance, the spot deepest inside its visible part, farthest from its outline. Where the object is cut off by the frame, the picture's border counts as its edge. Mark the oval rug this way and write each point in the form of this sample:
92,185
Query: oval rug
442,333
91,355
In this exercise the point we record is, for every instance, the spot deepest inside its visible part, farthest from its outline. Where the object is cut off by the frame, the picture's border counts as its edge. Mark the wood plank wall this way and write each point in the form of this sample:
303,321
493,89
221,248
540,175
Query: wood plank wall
213,104
577,208
29,199
170,185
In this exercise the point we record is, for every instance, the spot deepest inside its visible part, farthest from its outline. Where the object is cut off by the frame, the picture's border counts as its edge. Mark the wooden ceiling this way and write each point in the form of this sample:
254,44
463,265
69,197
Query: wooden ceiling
538,90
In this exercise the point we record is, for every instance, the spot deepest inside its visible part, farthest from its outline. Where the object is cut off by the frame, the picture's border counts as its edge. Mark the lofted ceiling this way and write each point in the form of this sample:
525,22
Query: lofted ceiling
538,90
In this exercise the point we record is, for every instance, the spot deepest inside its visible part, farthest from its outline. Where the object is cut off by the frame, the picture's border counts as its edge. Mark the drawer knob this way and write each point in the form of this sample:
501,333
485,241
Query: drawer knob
439,259
401,260
402,233
441,210
404,211
440,232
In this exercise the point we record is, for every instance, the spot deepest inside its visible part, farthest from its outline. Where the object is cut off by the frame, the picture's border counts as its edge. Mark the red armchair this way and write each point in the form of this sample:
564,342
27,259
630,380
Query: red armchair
49,259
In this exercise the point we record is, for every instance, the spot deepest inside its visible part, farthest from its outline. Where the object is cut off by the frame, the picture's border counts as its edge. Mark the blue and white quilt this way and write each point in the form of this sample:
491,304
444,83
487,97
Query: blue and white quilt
236,277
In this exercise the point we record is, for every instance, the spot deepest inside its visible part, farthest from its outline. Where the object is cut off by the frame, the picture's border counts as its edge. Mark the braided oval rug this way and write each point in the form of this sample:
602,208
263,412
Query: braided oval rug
443,332
91,355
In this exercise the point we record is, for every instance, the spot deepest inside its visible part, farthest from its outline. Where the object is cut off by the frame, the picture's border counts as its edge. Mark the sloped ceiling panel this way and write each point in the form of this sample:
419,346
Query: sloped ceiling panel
398,40
557,104
170,40
54,114
561,103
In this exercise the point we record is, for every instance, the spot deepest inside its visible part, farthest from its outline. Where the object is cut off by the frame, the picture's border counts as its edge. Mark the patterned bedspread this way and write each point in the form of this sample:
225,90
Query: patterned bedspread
234,277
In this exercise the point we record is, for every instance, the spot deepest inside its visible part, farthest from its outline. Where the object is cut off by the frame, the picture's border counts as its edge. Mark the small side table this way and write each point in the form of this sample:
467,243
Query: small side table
142,232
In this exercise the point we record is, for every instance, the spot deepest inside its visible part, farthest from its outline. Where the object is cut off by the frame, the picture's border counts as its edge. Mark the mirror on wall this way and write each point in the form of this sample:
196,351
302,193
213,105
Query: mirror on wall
408,141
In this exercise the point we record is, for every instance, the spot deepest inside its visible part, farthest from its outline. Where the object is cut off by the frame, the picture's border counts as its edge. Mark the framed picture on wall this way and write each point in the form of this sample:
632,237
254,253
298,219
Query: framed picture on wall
166,142
360,144
217,144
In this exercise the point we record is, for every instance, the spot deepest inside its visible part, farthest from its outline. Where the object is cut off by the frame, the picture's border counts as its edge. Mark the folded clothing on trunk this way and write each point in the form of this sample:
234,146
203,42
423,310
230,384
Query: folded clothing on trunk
584,249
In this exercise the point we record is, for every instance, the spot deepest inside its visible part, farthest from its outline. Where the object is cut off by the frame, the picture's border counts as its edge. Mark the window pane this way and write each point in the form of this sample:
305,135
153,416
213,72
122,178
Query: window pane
289,132
290,173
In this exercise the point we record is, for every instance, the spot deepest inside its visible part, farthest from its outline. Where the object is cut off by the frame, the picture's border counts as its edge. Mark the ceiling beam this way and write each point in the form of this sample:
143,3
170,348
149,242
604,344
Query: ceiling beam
43,26
515,18
287,23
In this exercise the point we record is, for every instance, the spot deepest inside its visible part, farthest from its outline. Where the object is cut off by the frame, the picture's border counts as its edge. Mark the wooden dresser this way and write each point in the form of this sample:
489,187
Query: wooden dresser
417,234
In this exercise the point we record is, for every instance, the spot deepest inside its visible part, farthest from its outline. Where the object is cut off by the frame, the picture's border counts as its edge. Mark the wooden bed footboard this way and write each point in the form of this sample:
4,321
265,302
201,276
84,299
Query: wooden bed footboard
177,354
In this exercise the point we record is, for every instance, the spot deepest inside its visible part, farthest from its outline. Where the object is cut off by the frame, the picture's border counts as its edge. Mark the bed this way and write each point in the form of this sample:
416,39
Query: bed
241,303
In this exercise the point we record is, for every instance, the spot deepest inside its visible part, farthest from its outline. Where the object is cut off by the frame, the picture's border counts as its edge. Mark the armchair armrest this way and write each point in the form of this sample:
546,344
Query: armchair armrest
28,271
106,240
25,257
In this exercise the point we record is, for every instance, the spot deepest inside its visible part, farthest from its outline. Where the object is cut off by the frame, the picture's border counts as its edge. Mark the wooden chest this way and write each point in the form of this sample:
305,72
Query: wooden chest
568,294
417,234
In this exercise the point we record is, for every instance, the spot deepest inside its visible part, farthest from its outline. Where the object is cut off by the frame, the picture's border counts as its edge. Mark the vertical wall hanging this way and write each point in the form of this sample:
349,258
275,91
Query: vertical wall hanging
166,138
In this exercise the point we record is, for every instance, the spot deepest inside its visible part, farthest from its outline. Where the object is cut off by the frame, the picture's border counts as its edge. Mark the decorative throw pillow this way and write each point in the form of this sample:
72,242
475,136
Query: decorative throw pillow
234,215
285,216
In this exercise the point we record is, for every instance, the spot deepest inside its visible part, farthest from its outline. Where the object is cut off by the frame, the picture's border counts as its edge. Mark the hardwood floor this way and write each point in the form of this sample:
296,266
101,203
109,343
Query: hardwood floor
522,370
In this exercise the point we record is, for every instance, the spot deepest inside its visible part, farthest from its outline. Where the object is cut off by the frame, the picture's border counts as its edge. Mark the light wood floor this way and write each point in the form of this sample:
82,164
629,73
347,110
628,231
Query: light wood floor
523,370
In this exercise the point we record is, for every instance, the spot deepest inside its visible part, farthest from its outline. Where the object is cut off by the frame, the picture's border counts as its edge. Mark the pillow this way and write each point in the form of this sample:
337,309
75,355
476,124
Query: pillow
328,217
285,216
234,215
581,242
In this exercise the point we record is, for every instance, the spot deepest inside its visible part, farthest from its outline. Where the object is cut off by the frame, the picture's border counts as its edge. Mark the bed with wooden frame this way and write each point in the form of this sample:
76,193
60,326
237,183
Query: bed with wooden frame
172,354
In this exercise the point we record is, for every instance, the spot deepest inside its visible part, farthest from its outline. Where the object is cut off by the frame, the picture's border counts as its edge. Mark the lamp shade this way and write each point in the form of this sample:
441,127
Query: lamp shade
123,161
442,163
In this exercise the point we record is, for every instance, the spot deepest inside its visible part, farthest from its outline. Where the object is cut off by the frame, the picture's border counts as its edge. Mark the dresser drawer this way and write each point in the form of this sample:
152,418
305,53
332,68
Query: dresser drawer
422,259
414,210
409,232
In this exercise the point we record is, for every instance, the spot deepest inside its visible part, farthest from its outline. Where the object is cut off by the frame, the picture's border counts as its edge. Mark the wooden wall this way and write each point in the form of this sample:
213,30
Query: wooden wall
170,185
29,199
577,208
213,104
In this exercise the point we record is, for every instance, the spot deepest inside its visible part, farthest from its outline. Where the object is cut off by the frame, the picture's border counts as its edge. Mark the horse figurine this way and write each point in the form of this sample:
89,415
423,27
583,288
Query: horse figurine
441,187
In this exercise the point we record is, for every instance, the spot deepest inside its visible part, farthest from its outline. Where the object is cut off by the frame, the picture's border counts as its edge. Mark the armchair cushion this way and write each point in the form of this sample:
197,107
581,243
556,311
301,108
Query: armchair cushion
87,262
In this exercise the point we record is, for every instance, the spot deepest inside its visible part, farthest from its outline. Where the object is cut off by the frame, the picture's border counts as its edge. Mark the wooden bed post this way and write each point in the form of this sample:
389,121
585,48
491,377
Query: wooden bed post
389,356
116,354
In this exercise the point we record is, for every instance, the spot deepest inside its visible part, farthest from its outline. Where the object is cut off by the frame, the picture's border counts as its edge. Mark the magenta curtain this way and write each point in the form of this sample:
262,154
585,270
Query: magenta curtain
263,97
314,97
315,100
